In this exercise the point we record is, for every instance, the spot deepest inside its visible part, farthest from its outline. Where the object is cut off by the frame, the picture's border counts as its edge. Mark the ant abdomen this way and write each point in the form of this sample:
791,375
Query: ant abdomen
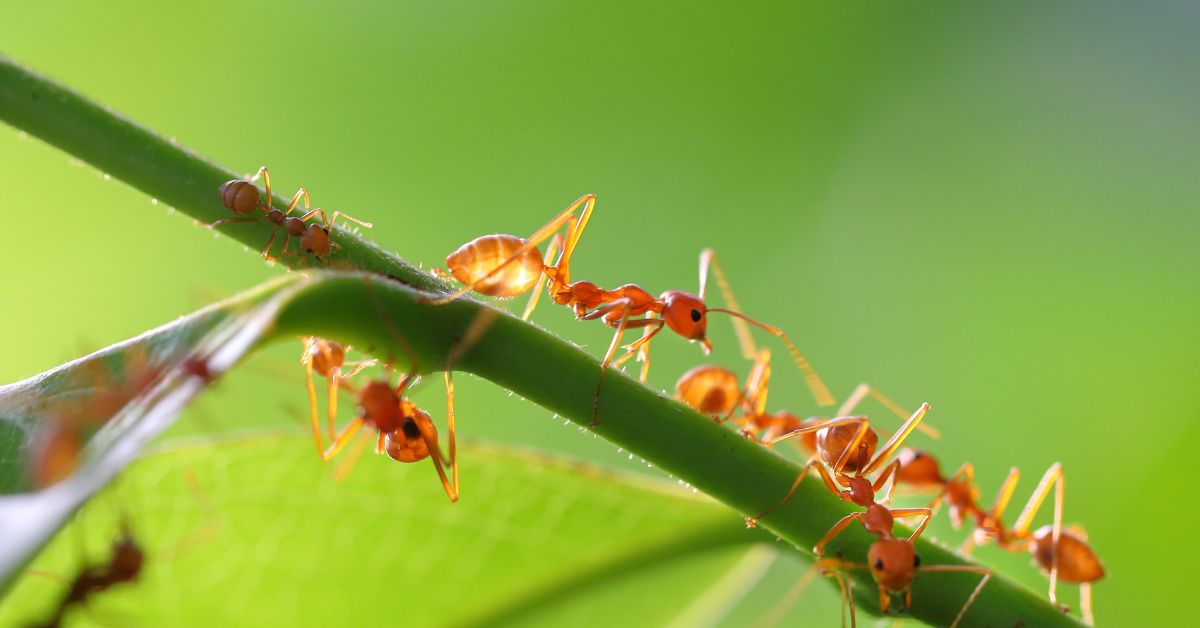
712,390
239,196
833,441
473,262
1077,562
406,444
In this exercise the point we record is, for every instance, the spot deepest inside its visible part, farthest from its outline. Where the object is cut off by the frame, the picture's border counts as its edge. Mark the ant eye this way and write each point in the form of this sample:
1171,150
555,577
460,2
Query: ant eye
879,564
696,316
916,561
410,428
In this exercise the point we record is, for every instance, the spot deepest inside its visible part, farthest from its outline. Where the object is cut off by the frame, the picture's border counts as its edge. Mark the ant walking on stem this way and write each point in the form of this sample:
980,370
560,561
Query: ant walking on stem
1063,554
506,265
892,560
241,197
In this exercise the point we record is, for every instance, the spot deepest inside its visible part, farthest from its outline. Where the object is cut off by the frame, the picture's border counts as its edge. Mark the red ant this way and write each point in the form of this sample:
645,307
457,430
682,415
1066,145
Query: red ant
506,265
124,566
241,196
713,390
405,432
1063,554
891,560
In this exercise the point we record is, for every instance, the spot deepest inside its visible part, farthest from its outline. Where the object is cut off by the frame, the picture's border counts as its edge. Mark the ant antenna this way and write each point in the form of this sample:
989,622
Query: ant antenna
815,384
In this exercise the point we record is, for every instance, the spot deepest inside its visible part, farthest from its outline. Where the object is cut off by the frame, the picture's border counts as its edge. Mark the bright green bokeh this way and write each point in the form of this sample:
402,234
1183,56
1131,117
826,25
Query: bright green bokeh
992,209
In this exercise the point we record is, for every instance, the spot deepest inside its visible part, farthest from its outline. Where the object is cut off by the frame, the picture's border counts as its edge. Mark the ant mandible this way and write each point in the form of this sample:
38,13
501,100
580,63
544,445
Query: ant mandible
892,560
241,197
124,566
506,265
1063,554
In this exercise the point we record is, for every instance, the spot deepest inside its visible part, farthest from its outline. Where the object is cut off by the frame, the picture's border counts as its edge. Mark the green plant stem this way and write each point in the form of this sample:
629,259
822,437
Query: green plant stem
162,169
513,354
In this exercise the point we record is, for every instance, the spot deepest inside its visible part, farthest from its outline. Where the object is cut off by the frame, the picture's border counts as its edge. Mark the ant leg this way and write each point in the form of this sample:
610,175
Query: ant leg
312,406
347,464
862,391
532,242
644,350
889,473
925,513
338,214
708,260
837,529
1085,603
897,439
1053,476
984,571
266,177
756,383
620,305
1004,495
342,438
836,567
819,390
752,522
852,448
301,193
266,254
562,274
335,377
817,426
641,344
551,250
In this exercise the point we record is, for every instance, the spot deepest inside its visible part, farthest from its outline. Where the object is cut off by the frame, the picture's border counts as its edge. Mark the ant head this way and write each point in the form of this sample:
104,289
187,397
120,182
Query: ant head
833,441
709,389
325,355
406,443
316,241
686,315
239,196
918,468
892,563
379,406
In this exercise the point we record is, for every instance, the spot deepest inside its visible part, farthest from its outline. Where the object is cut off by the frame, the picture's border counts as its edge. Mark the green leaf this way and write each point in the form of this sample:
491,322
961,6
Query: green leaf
256,531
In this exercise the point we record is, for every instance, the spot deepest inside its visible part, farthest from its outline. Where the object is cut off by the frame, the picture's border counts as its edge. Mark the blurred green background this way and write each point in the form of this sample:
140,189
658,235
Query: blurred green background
995,209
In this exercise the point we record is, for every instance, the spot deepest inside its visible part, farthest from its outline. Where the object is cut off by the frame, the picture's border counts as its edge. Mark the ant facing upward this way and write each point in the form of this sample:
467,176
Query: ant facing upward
241,197
1062,554
892,560
506,265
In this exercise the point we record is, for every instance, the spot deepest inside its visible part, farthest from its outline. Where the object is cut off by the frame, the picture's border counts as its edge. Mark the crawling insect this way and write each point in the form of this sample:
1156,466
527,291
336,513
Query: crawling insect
241,197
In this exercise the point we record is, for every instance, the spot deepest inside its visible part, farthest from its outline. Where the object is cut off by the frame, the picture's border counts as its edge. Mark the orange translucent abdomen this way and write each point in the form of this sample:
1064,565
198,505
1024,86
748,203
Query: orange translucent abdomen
473,261
1077,562
710,389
